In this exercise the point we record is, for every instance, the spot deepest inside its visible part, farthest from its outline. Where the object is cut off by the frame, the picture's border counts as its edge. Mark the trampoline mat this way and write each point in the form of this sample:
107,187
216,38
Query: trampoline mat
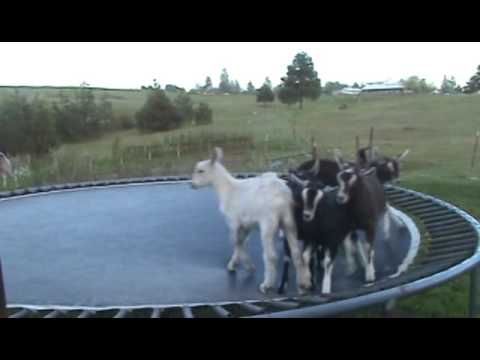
139,245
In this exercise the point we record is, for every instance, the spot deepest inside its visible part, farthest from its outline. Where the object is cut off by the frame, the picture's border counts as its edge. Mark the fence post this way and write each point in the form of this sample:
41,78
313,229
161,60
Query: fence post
475,148
474,279
265,149
370,144
3,301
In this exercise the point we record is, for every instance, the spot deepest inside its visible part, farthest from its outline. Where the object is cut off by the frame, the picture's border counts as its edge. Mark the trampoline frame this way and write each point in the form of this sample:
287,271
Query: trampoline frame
436,215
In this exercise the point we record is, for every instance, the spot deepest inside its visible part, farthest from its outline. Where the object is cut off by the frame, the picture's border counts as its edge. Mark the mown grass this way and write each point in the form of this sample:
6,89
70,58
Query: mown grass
438,130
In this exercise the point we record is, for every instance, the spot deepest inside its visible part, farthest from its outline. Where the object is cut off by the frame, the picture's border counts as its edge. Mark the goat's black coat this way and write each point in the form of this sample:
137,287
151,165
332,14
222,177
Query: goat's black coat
328,229
329,168
327,174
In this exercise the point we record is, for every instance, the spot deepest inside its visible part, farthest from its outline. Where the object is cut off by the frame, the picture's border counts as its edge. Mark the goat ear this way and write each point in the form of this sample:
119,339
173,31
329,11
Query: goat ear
338,158
213,157
217,155
314,150
316,167
403,155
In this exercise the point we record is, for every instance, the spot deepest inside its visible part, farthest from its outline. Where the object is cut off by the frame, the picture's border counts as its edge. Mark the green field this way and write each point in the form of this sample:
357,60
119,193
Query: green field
439,130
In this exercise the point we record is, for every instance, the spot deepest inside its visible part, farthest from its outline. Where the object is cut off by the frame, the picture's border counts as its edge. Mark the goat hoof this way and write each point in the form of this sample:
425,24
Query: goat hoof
304,290
265,289
231,266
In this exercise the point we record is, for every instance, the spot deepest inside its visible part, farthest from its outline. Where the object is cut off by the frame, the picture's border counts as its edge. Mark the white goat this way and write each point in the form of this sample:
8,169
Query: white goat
263,201
5,168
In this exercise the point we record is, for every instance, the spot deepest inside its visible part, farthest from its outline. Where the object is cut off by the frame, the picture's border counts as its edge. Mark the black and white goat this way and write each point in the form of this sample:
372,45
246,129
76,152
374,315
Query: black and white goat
263,201
388,168
326,170
322,224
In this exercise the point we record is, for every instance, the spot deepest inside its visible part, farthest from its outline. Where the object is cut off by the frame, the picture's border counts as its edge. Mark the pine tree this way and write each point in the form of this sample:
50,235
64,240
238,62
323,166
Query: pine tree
301,81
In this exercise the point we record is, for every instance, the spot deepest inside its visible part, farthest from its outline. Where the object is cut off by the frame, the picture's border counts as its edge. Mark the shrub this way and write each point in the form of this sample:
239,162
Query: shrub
158,113
203,114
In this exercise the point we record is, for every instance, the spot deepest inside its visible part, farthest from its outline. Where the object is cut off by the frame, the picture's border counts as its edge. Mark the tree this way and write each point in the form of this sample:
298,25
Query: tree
250,88
208,83
330,87
224,85
203,114
449,86
301,81
81,118
473,85
265,94
268,82
27,127
287,95
173,88
237,87
184,105
417,85
158,113
356,86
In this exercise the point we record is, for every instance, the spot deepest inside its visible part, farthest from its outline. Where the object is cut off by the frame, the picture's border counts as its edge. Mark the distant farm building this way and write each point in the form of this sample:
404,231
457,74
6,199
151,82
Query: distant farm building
383,88
377,88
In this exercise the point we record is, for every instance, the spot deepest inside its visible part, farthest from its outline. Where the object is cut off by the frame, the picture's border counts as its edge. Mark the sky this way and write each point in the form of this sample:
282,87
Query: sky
185,64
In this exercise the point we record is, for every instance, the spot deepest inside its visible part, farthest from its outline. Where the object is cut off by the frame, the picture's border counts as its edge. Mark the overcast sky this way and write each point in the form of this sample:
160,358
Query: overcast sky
131,65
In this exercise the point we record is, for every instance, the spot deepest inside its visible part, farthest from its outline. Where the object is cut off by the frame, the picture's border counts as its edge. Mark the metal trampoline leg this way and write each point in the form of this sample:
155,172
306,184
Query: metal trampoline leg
389,307
3,301
474,284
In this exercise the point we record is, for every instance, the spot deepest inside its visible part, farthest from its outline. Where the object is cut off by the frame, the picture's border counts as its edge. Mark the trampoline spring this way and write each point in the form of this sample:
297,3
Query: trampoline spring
251,307
448,223
445,232
284,304
20,314
456,244
434,219
425,210
427,214
121,313
53,314
187,312
450,250
221,311
445,257
314,299
156,313
86,313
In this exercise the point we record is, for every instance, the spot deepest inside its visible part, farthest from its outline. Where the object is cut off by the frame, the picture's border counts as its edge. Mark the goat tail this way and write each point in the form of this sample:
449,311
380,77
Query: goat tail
389,217
395,218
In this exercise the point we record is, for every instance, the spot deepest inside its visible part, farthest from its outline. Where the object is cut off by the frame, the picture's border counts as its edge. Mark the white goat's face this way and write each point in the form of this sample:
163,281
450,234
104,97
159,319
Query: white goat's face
204,170
202,174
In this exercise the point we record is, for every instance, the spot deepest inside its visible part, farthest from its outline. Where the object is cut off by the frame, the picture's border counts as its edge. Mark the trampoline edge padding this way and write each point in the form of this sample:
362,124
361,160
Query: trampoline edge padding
328,307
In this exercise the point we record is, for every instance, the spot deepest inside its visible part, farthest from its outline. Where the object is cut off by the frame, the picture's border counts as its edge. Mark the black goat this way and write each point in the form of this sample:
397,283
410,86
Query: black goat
363,194
388,168
322,224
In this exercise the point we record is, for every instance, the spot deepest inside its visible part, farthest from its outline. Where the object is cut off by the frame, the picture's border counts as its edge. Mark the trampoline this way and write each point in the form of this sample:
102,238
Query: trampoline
153,247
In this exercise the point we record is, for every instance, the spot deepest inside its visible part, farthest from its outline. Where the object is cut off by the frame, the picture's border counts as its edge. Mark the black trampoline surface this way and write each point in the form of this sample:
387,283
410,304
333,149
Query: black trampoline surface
141,245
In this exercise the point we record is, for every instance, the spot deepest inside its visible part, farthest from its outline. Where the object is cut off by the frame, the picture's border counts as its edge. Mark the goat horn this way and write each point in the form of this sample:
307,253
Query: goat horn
403,155
297,180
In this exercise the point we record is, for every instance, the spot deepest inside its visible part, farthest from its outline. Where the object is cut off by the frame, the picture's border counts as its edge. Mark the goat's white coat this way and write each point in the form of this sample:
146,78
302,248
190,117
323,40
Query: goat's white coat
263,201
